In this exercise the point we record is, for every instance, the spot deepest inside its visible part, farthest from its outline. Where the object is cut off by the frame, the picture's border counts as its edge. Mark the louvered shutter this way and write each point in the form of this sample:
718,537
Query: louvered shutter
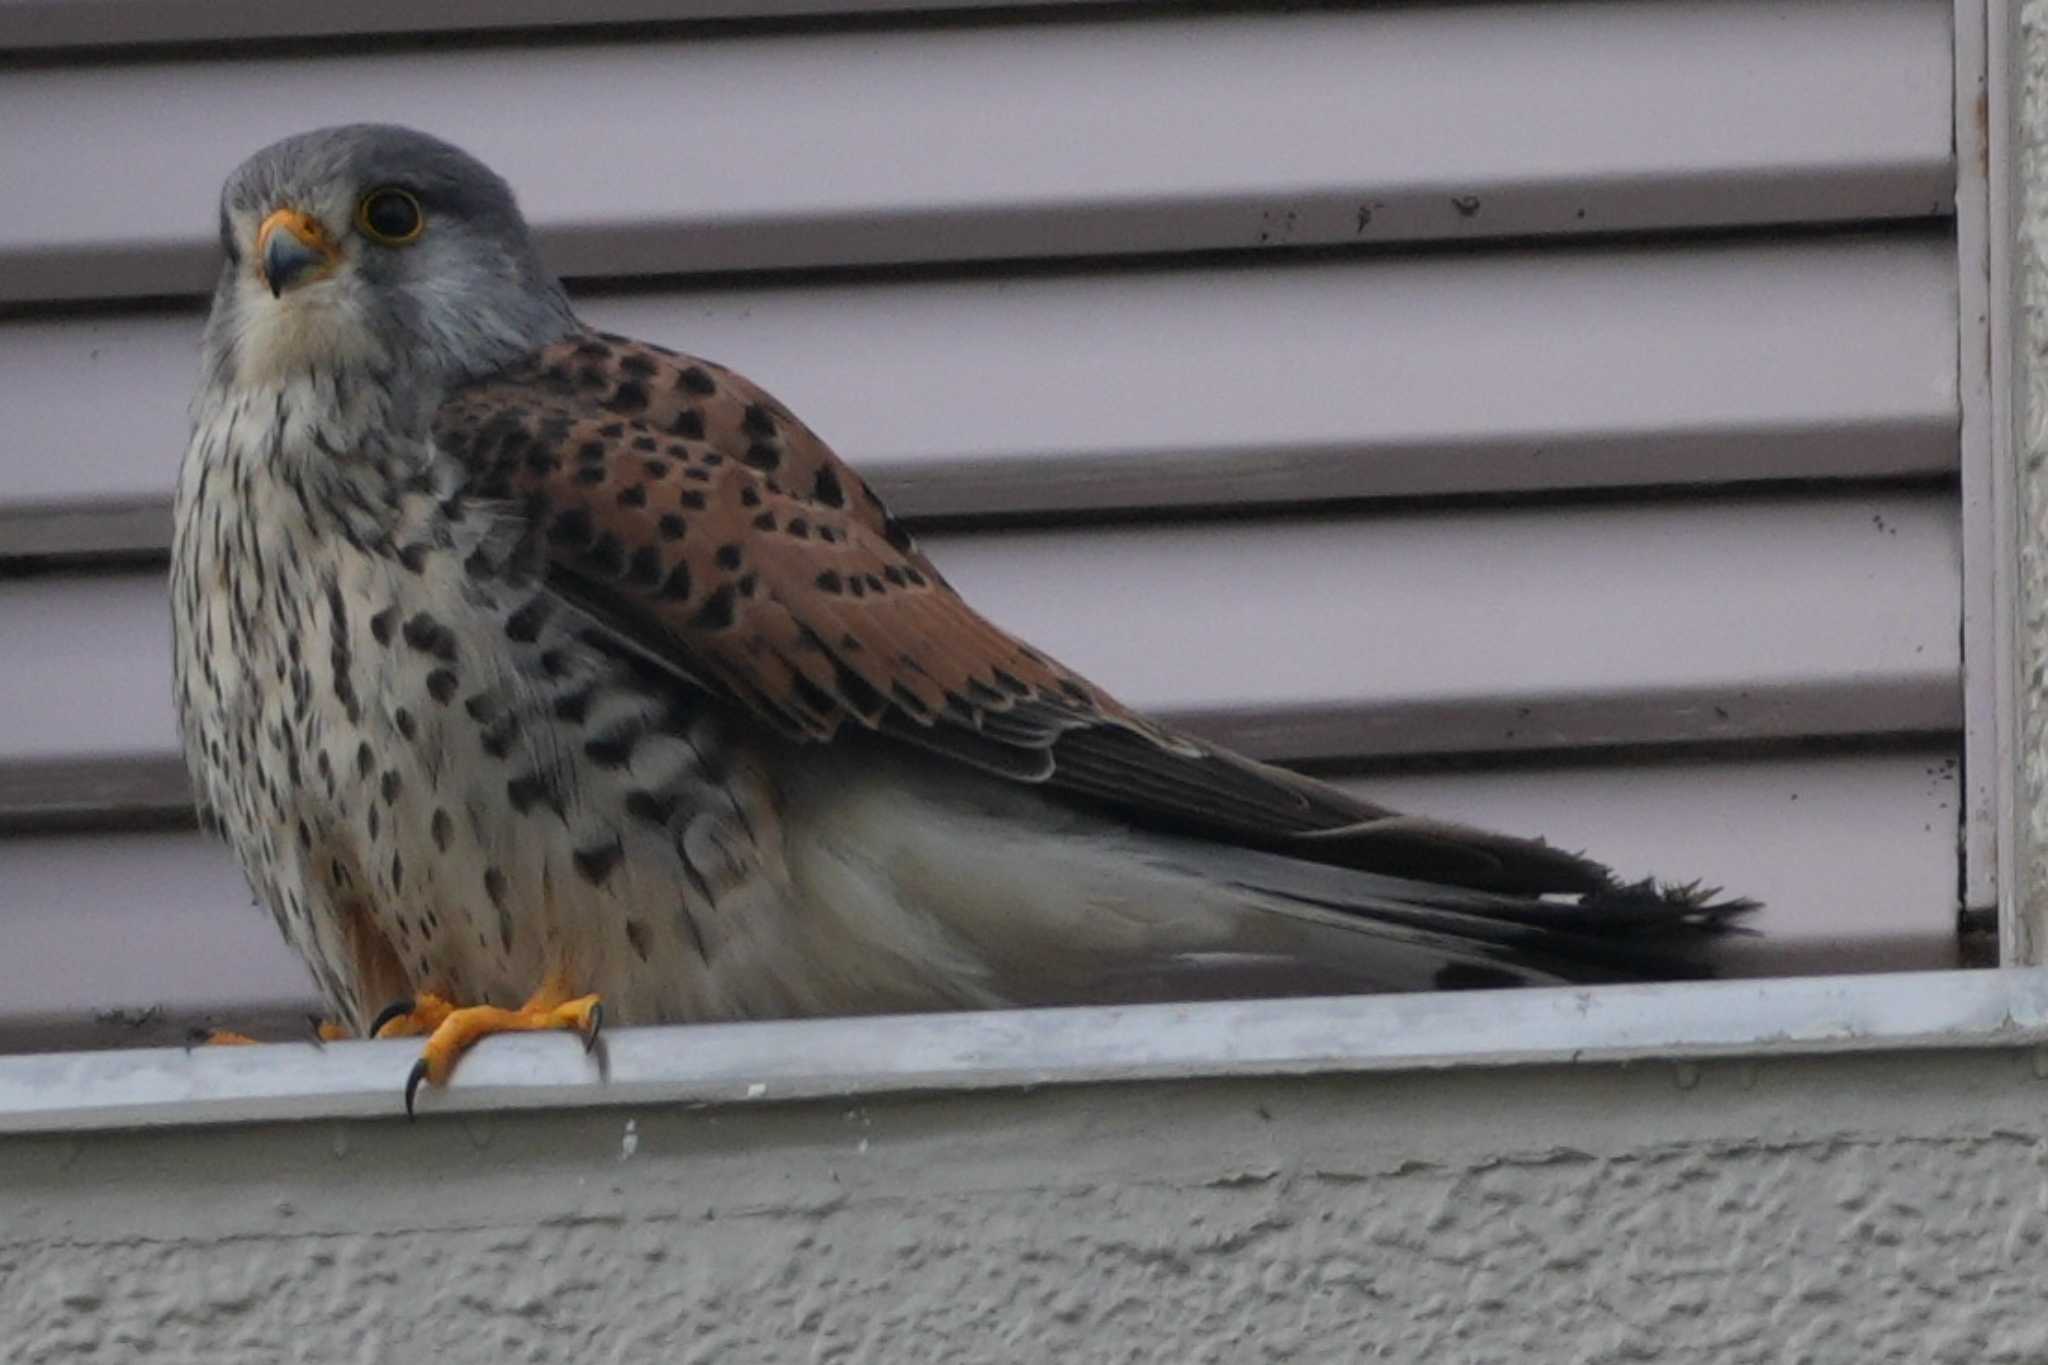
1542,414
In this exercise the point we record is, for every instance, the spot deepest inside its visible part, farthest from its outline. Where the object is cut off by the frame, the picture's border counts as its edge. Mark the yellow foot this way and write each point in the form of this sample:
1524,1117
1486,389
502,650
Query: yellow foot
453,1032
410,1018
324,1031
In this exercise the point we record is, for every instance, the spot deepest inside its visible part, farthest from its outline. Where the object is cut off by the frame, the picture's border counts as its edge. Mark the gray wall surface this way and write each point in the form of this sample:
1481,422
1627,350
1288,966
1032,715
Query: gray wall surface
1883,1208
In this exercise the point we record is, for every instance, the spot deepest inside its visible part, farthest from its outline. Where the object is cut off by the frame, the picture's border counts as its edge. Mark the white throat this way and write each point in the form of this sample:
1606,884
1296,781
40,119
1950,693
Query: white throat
319,326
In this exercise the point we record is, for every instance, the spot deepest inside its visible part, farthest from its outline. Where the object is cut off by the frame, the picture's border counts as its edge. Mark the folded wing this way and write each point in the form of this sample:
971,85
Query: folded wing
696,522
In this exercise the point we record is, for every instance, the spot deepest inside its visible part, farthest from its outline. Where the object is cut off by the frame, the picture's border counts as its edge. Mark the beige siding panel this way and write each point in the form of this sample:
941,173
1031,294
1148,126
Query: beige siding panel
1832,358
118,924
1173,132
1503,630
1324,637
129,922
51,24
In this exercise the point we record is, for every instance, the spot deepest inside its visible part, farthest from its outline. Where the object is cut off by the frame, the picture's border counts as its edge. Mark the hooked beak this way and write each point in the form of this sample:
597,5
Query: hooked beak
293,248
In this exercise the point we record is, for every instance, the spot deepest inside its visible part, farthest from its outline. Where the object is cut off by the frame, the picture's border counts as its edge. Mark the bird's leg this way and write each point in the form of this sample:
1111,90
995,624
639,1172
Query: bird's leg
452,1032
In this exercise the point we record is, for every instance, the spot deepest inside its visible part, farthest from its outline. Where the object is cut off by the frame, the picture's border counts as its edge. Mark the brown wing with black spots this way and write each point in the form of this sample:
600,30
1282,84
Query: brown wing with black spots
685,510
718,530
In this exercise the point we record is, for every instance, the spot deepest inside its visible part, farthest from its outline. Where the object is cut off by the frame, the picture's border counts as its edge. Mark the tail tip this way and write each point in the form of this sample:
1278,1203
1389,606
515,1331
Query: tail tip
1692,905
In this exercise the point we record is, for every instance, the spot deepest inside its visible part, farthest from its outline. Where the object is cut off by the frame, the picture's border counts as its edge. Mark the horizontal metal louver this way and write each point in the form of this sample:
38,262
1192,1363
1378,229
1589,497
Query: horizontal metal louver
1644,315
1158,134
1384,377
1345,636
59,24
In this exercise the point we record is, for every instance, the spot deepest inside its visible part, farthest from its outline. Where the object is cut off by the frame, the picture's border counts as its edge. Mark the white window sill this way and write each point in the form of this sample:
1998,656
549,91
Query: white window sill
814,1059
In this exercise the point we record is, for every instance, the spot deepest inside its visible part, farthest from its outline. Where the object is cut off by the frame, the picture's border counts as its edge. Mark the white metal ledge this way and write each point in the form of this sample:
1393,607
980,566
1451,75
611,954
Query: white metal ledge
844,1058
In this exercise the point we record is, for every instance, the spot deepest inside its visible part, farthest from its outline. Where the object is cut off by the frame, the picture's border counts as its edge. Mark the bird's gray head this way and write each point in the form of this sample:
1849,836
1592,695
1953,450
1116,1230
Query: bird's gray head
374,247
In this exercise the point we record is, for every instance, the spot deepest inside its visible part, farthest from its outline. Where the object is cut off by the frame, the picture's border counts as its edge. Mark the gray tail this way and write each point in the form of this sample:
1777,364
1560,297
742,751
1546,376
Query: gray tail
1396,933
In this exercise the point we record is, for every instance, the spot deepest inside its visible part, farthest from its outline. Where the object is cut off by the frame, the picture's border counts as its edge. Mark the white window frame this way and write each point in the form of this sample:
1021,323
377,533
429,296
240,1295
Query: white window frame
1987,85
1682,1023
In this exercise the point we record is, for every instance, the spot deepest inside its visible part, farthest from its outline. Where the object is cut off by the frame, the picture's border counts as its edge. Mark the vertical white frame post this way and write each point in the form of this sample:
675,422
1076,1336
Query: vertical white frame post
1987,146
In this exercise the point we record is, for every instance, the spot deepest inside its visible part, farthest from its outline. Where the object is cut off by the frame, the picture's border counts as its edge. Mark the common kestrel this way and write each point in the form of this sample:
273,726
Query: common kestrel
526,667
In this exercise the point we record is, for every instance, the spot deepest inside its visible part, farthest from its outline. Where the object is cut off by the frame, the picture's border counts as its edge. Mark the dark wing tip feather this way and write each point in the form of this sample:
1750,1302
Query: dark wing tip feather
1650,904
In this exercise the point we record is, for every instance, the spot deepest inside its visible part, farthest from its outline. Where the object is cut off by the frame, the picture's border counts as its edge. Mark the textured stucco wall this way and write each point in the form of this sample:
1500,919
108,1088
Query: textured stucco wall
2031,360
1866,1209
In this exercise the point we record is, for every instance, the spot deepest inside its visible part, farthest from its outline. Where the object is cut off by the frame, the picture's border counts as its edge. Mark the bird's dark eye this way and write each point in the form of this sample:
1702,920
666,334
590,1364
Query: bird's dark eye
391,216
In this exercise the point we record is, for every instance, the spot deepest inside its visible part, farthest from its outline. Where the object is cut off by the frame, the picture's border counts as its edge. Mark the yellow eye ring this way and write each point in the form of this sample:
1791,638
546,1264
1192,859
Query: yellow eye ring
390,215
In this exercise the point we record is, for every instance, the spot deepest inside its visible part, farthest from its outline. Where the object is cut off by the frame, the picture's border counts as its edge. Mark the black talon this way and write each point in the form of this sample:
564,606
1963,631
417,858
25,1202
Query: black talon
596,1026
313,1023
412,1085
397,1009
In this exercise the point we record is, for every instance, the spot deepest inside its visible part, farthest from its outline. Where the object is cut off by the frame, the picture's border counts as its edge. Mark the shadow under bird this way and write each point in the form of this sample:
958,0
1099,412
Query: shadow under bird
539,676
